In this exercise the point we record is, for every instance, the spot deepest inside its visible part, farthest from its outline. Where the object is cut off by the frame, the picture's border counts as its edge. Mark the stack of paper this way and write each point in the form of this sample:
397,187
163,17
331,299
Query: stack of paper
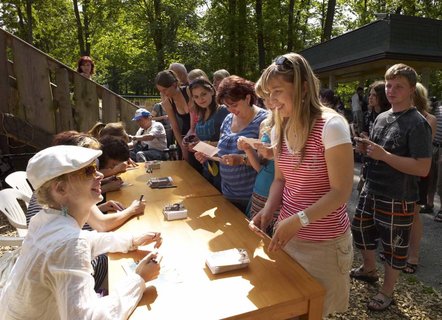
158,183
227,260
175,211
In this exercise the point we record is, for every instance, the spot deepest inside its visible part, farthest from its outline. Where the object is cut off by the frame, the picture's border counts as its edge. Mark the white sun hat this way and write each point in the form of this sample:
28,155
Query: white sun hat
56,161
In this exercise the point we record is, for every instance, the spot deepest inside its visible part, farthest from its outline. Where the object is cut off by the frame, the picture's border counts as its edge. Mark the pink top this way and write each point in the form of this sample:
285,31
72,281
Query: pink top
306,184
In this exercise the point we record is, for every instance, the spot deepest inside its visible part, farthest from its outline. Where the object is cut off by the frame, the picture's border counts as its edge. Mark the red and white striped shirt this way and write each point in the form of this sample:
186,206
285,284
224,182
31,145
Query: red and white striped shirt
308,182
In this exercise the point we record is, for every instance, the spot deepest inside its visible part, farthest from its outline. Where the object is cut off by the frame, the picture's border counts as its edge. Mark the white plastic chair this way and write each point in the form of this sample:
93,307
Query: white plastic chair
10,206
18,181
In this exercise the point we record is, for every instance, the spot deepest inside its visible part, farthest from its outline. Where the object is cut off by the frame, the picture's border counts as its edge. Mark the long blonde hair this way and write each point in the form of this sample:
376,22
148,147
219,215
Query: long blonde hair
421,99
293,68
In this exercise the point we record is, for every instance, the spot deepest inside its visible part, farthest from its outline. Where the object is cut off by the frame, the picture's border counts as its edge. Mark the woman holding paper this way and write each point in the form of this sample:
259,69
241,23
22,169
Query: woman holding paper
210,117
237,174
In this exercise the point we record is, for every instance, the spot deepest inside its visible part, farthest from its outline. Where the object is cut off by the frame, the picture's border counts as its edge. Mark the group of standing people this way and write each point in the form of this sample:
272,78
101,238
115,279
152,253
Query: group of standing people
289,168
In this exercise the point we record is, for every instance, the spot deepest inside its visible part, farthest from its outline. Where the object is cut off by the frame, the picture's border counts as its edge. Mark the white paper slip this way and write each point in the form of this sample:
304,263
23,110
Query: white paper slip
251,141
206,148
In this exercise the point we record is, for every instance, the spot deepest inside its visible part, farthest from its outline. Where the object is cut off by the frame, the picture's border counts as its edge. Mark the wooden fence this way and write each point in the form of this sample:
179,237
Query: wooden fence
40,96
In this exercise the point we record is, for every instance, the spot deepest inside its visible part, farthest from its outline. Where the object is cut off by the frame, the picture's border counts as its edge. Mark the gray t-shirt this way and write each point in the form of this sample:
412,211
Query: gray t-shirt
405,134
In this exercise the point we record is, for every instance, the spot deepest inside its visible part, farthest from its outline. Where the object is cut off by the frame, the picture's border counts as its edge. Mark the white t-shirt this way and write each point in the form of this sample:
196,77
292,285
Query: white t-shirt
157,130
355,103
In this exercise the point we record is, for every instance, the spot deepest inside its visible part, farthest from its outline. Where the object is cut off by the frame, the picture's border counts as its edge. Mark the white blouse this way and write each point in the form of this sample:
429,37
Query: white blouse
52,277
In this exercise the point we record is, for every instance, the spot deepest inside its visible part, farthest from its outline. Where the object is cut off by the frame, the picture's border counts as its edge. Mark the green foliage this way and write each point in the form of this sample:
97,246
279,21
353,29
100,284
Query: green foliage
131,40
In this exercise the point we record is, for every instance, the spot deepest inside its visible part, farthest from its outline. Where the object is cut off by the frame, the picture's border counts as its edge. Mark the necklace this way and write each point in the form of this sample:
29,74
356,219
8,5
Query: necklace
394,116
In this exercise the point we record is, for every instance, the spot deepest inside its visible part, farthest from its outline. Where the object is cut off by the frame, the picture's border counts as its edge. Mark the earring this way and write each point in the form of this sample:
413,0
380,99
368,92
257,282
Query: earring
64,211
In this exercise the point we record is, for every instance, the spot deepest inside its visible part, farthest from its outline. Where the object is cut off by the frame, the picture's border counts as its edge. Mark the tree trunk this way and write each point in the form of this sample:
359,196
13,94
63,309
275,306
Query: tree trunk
86,30
232,35
21,22
29,29
158,35
241,37
260,32
328,25
79,28
290,26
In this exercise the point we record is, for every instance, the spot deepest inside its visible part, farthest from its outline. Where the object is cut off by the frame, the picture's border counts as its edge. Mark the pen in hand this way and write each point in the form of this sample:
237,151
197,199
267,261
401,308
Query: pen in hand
141,199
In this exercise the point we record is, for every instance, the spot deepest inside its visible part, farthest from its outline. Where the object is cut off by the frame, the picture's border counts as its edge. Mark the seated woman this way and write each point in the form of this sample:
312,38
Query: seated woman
210,117
237,174
112,162
97,220
52,276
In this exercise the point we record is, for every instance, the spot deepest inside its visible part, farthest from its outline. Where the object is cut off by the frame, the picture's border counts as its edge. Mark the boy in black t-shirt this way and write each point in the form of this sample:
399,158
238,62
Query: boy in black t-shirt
400,152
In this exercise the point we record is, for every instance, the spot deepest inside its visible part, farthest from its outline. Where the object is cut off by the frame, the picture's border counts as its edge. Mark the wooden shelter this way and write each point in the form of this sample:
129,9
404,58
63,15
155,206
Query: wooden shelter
367,52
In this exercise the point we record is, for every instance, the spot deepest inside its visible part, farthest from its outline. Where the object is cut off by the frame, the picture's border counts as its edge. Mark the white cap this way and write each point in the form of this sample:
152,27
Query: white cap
57,161
141,112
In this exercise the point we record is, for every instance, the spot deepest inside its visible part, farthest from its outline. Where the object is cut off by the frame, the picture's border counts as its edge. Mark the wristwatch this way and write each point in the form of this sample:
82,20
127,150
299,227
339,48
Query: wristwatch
303,218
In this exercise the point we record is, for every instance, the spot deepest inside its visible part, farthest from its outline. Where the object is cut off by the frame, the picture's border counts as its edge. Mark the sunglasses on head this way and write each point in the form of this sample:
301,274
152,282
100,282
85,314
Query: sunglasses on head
284,62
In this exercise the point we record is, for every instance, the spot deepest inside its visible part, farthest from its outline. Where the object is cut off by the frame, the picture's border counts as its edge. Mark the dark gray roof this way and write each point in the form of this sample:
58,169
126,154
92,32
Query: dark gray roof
412,40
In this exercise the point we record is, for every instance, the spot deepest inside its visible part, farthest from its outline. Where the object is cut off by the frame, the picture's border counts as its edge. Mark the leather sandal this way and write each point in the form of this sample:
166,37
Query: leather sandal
360,274
380,302
411,268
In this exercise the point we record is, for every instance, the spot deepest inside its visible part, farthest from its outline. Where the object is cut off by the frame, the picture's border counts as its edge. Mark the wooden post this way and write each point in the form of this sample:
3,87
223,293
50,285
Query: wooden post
127,113
86,103
4,75
62,101
110,109
33,83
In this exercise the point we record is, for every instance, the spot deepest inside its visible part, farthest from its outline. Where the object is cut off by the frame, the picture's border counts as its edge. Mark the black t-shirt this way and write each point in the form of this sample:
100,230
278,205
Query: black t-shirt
406,134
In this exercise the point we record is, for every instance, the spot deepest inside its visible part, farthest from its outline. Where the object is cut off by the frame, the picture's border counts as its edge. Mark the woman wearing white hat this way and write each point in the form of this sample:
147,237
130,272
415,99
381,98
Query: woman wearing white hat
52,276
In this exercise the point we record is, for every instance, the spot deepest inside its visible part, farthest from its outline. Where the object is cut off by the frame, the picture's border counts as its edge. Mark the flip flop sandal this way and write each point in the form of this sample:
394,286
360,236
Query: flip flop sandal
438,217
411,268
380,302
360,274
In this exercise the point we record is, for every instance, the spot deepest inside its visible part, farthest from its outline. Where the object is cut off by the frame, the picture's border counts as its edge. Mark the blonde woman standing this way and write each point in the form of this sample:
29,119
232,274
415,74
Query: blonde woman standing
313,179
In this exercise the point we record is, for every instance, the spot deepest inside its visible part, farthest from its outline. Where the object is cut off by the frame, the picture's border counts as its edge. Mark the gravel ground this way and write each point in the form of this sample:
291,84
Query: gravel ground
417,297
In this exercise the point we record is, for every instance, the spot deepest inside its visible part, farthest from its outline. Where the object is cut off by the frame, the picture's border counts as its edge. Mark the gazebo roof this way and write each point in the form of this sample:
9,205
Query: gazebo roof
367,52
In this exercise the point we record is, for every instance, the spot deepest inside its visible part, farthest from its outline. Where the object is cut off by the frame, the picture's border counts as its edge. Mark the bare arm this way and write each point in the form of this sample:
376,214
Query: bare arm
106,222
173,120
432,121
416,167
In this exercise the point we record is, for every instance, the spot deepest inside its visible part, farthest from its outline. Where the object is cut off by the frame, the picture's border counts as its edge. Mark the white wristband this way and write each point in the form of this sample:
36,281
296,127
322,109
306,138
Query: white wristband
303,218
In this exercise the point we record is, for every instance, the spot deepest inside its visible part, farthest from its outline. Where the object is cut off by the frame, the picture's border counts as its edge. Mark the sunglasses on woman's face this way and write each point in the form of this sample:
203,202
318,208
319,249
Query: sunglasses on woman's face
89,171
284,62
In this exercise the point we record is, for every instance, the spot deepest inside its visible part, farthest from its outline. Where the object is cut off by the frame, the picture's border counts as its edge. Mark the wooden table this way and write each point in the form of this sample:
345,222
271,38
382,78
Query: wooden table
274,286
189,184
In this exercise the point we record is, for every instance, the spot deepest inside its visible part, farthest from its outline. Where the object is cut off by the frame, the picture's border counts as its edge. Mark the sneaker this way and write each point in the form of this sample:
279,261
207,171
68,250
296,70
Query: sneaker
427,208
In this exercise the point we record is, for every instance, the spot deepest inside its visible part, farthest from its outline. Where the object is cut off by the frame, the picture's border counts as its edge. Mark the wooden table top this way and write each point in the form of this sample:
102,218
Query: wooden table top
274,286
189,183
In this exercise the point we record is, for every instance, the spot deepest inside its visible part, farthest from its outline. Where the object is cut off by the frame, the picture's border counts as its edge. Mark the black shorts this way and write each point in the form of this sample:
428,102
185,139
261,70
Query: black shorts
389,220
